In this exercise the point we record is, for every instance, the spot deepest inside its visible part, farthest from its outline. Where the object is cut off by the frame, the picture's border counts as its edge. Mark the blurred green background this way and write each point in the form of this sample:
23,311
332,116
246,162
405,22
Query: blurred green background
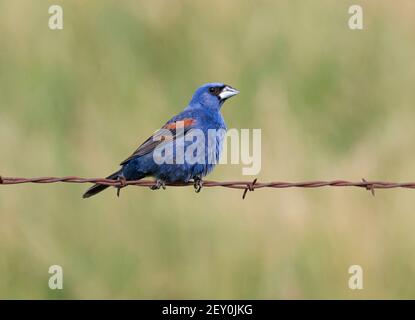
331,103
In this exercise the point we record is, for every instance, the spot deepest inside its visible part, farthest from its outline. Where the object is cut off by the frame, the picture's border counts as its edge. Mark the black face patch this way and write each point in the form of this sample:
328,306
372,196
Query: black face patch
215,91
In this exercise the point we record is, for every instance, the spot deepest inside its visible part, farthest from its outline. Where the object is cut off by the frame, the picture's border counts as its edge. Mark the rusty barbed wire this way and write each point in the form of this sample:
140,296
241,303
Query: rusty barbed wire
243,185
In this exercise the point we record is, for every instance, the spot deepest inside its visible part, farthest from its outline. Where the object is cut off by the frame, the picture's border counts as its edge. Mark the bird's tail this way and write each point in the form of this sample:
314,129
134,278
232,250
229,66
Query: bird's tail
97,188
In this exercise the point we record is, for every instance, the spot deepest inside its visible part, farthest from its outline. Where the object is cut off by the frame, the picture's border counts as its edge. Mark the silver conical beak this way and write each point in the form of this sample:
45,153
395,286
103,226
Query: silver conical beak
228,92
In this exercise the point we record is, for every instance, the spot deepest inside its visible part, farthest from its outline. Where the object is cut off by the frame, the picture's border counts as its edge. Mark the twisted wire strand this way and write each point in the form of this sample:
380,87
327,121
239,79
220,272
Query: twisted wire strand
244,185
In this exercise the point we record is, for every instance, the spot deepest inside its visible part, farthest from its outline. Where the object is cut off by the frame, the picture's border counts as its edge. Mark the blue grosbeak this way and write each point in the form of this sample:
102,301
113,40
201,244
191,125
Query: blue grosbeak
202,113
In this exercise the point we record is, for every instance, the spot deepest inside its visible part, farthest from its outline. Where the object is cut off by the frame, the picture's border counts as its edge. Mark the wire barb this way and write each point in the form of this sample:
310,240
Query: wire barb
369,186
122,184
249,187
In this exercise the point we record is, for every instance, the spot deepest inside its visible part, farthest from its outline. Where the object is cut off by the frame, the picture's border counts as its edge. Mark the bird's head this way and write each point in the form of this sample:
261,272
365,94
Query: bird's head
212,95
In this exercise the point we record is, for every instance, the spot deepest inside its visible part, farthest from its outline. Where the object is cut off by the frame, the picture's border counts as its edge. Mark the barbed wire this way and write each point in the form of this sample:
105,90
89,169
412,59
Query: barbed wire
243,185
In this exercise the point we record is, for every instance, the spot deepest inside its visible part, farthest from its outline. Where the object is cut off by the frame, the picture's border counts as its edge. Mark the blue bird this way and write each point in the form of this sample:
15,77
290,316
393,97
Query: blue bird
172,154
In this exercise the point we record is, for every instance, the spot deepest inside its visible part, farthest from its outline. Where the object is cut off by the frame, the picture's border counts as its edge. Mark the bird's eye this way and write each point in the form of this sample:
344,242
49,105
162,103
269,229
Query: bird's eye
215,90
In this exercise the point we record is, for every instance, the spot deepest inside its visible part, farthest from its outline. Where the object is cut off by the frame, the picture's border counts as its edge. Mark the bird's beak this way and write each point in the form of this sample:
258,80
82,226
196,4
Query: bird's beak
228,92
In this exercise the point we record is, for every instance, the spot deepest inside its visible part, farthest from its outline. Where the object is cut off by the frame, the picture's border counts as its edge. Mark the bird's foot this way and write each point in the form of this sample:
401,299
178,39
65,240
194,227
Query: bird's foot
159,184
122,181
197,184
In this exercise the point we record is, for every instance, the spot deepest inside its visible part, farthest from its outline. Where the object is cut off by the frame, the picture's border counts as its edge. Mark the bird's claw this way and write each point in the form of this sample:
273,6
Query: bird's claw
198,184
159,184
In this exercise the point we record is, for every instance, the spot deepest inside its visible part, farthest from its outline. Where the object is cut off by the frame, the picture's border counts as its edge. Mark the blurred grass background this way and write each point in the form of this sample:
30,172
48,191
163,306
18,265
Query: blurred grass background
331,103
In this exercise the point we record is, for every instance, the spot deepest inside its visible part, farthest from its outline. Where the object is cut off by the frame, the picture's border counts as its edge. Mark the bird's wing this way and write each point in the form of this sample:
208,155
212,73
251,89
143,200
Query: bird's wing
160,136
